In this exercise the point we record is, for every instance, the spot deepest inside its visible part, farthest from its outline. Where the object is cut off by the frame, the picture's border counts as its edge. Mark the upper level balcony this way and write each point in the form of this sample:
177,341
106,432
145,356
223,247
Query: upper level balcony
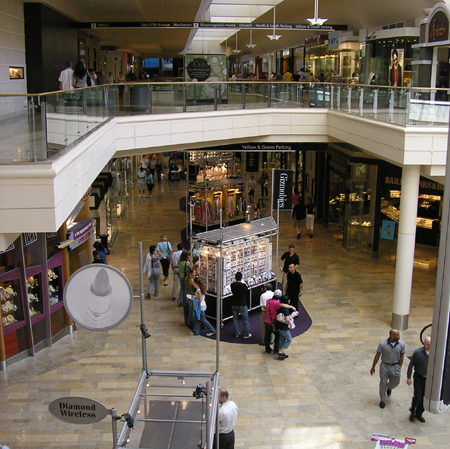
51,151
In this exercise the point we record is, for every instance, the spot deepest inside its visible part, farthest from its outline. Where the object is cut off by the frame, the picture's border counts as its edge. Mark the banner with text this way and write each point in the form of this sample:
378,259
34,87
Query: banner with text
252,162
283,184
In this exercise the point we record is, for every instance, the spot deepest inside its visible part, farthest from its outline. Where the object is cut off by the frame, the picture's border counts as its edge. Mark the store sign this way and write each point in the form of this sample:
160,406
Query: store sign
78,410
98,297
333,41
438,27
252,162
387,229
283,184
80,232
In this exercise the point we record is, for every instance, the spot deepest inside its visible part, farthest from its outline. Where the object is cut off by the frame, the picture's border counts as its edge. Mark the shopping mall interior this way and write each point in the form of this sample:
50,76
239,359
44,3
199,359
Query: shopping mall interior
356,161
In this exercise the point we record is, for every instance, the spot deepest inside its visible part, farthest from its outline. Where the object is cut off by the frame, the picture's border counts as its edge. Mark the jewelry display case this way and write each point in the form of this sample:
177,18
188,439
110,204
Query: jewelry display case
245,247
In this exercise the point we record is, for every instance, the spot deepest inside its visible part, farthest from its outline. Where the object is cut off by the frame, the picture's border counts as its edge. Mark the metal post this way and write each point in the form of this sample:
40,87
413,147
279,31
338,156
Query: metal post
375,103
44,128
141,280
215,97
195,94
269,96
150,98
184,97
349,99
300,95
361,101
331,97
391,105
114,427
208,410
408,106
243,95
338,99
32,133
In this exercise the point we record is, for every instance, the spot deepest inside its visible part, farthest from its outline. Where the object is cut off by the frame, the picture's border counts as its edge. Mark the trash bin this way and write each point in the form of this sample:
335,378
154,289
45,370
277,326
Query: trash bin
139,98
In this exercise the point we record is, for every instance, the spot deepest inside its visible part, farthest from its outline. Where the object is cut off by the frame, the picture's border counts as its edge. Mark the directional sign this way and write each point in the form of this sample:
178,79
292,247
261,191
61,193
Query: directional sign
78,410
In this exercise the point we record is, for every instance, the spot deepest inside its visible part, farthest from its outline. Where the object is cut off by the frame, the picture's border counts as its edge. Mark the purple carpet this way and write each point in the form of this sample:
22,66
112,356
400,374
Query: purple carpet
302,324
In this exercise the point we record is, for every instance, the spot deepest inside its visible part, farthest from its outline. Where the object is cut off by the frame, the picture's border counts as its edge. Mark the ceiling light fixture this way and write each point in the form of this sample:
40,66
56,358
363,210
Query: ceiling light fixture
236,50
317,20
251,44
274,37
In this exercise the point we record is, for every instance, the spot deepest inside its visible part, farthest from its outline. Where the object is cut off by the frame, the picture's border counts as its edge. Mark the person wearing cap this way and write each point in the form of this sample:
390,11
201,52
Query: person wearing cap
239,306
266,295
272,306
285,260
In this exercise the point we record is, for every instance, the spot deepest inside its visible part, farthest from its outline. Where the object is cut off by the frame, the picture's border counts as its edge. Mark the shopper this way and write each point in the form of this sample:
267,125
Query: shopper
198,309
183,267
283,327
294,286
239,306
264,181
165,248
251,185
298,215
419,362
152,269
80,75
102,251
150,183
266,295
141,175
174,259
310,215
65,77
285,260
392,353
228,414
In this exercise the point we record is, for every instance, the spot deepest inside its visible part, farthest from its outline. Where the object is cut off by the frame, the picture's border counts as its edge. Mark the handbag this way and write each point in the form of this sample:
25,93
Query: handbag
281,318
169,253
203,305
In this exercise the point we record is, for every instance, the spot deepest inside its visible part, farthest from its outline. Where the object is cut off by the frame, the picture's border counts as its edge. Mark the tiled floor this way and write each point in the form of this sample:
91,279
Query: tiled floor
321,397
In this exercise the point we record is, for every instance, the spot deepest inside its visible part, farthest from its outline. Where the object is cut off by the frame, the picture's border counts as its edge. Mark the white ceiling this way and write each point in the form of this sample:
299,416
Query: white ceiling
165,42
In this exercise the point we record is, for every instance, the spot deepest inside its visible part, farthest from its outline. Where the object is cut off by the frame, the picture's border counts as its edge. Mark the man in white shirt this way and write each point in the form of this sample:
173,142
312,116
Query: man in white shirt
268,294
65,77
228,413
175,258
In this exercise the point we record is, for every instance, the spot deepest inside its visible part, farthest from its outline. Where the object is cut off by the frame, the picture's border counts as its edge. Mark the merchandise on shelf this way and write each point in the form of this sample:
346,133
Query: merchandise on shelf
54,285
10,302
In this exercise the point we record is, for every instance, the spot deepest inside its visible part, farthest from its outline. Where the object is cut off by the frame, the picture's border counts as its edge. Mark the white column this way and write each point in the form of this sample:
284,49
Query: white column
405,246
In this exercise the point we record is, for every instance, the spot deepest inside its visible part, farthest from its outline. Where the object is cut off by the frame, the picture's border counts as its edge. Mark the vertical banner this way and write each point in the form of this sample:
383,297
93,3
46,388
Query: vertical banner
252,161
283,184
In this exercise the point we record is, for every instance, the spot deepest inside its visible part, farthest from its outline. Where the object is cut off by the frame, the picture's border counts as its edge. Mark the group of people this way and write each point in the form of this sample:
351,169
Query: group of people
392,354
303,213
70,78
99,253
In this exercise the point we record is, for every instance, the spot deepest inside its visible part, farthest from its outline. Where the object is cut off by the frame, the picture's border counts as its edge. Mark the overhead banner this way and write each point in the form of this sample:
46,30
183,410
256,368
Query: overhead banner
252,161
283,184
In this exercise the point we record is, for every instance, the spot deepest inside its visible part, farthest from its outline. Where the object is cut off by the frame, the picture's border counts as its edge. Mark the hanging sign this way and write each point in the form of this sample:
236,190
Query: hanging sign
283,183
252,161
78,410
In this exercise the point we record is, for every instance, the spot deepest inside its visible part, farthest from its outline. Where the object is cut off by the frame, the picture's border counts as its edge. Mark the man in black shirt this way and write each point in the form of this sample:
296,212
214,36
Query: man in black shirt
298,215
239,306
419,361
285,260
294,286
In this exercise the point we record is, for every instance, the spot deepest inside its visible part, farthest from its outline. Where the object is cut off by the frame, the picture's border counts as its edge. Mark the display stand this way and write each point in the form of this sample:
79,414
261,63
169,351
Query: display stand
211,190
245,247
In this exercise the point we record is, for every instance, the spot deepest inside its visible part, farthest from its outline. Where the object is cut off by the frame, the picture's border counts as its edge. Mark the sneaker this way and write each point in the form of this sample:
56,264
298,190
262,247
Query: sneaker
389,392
298,236
210,334
311,236
382,404
236,336
173,299
156,295
149,295
247,336
284,356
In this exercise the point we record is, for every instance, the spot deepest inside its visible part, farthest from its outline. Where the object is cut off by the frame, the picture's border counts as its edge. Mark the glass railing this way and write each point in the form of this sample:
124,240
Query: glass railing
40,128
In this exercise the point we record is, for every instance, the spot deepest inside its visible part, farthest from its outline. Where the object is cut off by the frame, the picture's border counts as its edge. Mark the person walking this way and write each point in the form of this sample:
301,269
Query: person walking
392,353
288,258
239,306
298,215
418,362
266,295
264,181
283,328
310,215
165,248
183,267
80,75
199,308
141,175
174,259
294,286
150,183
228,414
251,185
152,270
65,77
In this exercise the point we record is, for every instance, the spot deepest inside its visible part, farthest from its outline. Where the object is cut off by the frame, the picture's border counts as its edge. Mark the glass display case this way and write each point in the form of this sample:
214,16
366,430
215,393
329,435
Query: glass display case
11,302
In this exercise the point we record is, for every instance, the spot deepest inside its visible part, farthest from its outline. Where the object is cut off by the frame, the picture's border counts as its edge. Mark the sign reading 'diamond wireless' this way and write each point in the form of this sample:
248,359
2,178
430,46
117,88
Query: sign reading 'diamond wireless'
78,410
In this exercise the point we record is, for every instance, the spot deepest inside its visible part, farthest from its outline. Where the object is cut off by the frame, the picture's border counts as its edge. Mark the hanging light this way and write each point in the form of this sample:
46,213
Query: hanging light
274,37
316,20
236,50
251,44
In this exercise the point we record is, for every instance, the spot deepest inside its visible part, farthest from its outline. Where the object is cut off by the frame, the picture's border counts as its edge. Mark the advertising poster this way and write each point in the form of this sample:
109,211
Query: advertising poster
203,69
283,184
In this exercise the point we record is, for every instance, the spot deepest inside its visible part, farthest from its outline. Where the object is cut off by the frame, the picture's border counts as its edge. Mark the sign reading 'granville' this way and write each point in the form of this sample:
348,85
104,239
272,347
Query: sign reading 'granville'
78,410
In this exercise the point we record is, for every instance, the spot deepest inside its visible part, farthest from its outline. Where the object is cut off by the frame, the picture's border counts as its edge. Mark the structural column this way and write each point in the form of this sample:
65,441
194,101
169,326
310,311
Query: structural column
405,246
